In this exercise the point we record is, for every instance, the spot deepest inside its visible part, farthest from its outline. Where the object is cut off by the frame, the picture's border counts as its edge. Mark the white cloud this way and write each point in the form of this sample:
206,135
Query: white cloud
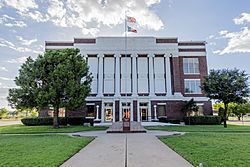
16,24
212,43
152,2
35,15
25,41
89,16
34,48
238,42
3,69
6,79
8,17
210,36
18,60
11,22
21,5
243,18
6,43
223,32
217,52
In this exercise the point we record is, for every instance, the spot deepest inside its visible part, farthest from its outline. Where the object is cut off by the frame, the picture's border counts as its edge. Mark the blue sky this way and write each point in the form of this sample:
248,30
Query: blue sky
26,24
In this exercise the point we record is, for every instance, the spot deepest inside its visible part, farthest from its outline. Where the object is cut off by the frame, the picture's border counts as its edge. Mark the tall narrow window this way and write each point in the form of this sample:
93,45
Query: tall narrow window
191,66
192,86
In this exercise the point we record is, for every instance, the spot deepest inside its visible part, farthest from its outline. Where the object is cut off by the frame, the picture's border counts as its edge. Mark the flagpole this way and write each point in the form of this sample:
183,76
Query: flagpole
126,61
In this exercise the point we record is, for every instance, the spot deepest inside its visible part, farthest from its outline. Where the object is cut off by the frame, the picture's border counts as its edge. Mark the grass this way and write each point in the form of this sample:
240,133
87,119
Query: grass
213,145
22,129
203,128
39,150
212,149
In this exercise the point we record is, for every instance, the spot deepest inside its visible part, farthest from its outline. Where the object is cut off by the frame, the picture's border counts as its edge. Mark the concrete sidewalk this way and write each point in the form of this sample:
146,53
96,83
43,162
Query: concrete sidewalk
127,150
5,123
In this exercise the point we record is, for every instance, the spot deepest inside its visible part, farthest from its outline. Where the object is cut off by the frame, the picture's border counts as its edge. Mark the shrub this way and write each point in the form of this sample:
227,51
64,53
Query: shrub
62,121
203,120
167,120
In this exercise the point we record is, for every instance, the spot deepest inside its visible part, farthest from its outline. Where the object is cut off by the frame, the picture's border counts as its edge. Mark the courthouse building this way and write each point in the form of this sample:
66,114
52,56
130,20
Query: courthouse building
146,79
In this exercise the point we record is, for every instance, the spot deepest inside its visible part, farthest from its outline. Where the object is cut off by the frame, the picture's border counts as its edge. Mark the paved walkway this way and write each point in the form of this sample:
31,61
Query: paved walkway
5,123
126,150
239,122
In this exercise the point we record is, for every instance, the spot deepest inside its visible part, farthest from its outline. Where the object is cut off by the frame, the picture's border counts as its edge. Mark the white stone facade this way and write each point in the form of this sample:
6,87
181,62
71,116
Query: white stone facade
130,79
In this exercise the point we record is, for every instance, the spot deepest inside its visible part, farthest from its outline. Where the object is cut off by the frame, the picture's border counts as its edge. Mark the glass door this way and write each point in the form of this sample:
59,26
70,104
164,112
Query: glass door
108,114
126,112
144,114
143,109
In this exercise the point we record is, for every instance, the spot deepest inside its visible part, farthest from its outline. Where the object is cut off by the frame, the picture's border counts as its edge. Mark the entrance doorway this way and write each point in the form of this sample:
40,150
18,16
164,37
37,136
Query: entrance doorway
126,110
108,112
144,114
143,109
126,113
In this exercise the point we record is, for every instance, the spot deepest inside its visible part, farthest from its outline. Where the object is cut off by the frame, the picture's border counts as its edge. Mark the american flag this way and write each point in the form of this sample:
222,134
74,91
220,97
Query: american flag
131,19
130,29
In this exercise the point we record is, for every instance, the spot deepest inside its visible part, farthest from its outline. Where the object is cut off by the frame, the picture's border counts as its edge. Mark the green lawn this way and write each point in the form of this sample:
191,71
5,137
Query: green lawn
39,150
212,149
213,145
21,129
203,128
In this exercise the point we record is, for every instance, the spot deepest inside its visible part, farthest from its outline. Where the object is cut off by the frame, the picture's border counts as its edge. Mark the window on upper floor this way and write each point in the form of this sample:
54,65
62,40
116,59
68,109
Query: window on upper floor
192,86
191,66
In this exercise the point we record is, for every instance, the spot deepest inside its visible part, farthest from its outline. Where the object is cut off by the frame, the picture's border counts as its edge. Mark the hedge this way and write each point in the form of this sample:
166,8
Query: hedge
203,120
62,121
167,120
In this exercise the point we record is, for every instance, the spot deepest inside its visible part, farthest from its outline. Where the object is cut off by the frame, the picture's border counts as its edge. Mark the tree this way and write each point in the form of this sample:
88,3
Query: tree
226,86
241,109
3,112
58,78
189,106
219,107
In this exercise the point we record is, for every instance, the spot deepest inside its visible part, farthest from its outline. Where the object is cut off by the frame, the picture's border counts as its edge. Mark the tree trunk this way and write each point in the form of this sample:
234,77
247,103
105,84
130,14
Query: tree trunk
239,118
225,115
55,119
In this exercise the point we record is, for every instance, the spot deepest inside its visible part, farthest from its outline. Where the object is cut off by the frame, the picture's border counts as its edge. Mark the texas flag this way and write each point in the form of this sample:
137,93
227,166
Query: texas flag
131,19
130,29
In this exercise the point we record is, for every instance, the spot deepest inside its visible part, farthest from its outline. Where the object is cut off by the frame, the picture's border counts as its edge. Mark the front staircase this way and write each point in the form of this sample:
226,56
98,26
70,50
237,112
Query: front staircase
135,127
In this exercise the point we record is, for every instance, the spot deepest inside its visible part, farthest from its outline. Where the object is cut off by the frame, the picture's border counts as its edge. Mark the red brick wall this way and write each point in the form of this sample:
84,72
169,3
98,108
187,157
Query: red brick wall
173,108
178,74
117,106
135,110
176,78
